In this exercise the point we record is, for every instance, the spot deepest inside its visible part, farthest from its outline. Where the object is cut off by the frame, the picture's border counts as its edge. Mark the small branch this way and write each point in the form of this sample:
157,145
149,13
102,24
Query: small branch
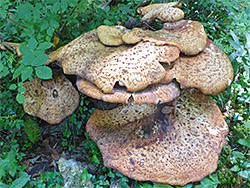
17,23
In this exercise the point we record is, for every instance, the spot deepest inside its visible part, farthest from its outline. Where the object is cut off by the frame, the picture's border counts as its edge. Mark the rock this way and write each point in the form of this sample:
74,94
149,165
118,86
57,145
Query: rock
71,172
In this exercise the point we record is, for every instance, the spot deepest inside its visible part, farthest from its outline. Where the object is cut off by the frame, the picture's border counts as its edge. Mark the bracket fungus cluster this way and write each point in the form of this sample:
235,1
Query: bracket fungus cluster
166,130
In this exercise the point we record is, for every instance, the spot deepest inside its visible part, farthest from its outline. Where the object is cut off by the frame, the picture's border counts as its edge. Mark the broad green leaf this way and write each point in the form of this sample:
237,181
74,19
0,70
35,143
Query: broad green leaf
238,155
32,43
26,73
44,46
21,89
3,185
12,87
244,142
64,5
40,60
25,50
43,72
55,7
50,31
28,59
236,39
18,71
95,159
20,98
4,72
54,23
247,124
21,181
245,174
44,24
1,66
235,168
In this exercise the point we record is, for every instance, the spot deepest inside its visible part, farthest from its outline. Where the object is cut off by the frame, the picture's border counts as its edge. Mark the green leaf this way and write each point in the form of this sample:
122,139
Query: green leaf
238,155
245,174
40,60
244,142
32,43
64,5
55,7
44,46
26,73
162,186
21,181
95,159
12,87
20,98
3,185
44,24
50,31
247,124
235,168
43,72
18,71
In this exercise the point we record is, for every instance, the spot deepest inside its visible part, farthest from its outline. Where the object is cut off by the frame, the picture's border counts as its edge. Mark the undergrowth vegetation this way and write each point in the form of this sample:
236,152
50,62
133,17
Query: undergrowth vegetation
44,26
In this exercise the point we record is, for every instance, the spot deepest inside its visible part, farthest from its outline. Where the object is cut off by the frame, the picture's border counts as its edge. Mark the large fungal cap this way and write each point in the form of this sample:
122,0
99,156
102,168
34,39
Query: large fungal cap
189,36
111,35
153,94
51,100
210,71
135,68
80,53
164,13
175,143
146,9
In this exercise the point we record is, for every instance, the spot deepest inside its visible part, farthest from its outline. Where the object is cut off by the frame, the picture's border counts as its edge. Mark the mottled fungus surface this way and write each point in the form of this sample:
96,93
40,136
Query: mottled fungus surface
135,68
51,100
210,71
164,13
174,143
153,94
76,57
189,36
111,35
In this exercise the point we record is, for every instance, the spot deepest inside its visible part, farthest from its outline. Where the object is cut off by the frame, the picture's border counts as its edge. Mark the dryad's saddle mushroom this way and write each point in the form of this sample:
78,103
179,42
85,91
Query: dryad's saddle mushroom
158,134
210,71
174,143
153,94
51,100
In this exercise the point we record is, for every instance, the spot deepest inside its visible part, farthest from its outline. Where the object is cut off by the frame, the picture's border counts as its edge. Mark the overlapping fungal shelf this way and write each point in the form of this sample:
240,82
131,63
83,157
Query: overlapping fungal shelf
166,130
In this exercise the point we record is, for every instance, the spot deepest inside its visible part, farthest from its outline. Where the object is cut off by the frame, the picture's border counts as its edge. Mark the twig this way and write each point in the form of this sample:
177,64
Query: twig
17,23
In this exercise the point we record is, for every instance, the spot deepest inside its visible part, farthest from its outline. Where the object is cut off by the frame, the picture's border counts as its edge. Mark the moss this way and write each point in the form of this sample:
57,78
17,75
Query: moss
225,155
239,131
32,130
225,176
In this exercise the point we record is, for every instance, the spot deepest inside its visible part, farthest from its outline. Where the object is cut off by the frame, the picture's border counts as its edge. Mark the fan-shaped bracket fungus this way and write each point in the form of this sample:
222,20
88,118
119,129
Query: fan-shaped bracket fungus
135,68
51,100
164,13
153,94
210,71
174,143
189,36
111,35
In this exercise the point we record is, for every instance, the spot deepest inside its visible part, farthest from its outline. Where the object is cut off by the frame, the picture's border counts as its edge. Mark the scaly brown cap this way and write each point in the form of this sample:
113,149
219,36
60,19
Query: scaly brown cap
79,54
189,36
146,9
174,143
210,71
153,94
135,68
51,100
111,35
